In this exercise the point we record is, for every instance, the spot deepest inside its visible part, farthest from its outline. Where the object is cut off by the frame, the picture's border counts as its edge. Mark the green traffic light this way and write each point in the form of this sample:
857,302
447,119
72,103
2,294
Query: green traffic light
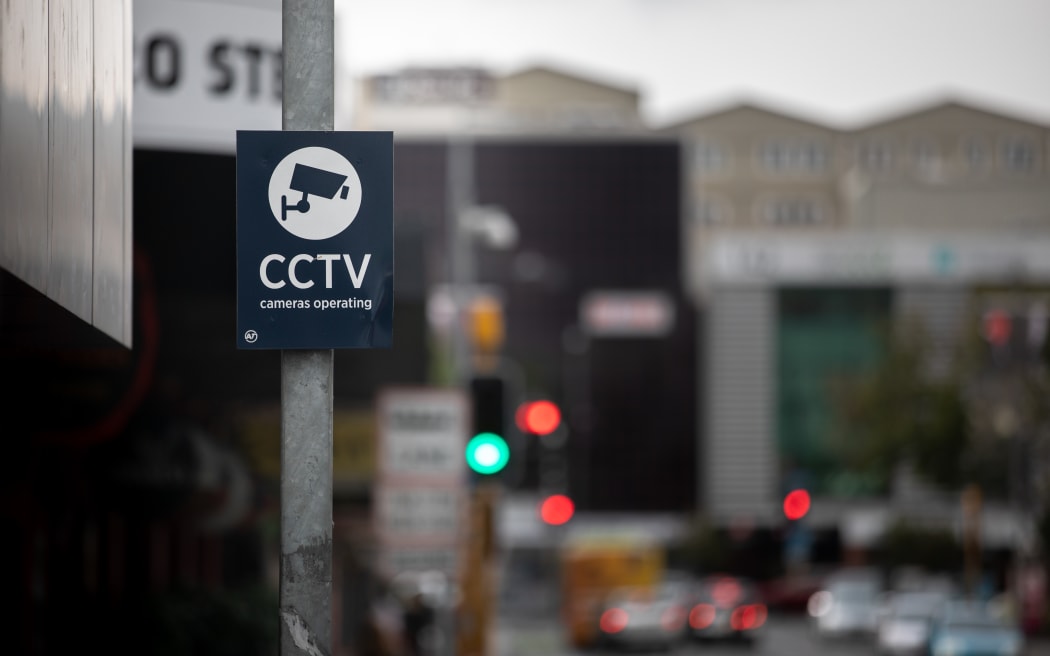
487,453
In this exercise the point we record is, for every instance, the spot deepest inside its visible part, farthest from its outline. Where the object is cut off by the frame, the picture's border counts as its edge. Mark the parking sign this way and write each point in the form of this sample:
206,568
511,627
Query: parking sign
315,242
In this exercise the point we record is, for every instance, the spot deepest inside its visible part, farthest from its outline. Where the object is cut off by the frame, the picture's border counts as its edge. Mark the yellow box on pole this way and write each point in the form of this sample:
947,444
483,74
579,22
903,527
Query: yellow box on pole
486,328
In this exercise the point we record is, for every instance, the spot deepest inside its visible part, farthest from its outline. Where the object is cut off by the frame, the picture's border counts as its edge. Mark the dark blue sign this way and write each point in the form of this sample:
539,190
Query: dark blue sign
315,239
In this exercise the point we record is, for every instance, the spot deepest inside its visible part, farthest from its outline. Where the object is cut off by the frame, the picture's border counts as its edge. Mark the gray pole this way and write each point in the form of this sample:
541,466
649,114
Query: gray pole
460,189
306,376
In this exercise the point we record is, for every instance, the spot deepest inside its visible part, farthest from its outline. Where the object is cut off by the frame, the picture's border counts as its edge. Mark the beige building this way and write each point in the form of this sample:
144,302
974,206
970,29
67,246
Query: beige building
793,231
536,100
906,216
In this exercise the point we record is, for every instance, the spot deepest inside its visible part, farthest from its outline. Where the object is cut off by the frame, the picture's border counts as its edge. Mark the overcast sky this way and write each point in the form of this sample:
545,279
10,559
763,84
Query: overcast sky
843,61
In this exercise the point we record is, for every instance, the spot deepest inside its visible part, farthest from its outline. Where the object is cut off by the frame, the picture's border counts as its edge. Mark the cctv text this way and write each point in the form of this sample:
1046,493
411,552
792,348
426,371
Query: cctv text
302,270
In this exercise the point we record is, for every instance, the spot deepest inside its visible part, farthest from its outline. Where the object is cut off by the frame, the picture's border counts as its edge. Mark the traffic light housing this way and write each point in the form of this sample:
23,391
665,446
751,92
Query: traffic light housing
487,452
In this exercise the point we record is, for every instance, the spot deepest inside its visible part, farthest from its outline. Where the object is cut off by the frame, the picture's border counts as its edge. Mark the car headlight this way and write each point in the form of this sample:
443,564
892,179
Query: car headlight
819,603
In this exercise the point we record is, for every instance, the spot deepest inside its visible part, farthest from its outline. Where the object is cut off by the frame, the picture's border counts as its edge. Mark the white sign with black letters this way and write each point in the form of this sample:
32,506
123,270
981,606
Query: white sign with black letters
419,511
424,433
203,70
419,507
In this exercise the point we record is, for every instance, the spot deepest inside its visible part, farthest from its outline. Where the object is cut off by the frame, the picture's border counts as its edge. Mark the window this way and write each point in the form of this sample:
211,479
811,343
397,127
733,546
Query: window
792,212
791,156
925,154
711,211
1017,154
975,154
875,155
709,156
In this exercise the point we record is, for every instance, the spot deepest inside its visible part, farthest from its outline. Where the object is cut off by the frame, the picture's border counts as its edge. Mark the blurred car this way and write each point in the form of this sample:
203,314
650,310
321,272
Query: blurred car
644,617
726,607
966,628
791,593
847,606
904,624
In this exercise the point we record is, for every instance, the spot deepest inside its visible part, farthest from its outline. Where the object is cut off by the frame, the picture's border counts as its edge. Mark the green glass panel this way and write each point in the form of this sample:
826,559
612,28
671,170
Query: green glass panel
824,337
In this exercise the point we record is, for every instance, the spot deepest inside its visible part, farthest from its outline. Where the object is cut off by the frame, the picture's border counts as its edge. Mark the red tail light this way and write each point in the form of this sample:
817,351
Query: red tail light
748,617
613,620
760,615
702,616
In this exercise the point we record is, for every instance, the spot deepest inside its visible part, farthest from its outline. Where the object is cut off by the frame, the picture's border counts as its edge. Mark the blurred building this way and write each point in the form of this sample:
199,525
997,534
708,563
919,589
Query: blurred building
65,159
797,238
594,194
802,237
451,101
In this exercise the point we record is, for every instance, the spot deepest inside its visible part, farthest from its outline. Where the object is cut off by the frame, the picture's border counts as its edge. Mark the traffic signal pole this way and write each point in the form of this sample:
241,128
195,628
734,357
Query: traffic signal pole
306,375
460,190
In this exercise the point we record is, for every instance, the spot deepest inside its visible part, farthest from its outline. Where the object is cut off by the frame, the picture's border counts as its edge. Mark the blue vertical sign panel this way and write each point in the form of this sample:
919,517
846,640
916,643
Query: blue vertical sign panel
315,239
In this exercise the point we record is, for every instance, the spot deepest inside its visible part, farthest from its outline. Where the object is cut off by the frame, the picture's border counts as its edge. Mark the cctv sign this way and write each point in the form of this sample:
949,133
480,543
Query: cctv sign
315,239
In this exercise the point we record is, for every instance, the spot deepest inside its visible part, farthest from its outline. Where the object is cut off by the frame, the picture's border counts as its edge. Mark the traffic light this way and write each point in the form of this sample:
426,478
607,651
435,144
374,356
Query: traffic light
542,419
996,327
538,417
487,452
557,509
796,504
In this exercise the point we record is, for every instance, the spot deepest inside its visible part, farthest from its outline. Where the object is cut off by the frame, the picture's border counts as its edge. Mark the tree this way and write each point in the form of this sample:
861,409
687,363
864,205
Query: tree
898,413
973,424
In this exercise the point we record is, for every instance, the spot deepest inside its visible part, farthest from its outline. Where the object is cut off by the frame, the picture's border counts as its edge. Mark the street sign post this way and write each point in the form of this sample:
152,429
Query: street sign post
420,498
309,196
305,604
315,239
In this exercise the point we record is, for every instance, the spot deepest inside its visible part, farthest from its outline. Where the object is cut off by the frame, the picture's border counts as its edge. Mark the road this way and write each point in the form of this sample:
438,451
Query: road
782,636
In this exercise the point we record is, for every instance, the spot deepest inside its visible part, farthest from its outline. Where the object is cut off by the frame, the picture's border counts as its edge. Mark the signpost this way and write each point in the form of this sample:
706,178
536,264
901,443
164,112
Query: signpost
420,497
314,273
419,507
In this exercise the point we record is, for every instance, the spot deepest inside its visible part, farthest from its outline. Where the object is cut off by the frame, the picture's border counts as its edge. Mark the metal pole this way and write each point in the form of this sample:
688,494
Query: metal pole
306,376
460,189
459,178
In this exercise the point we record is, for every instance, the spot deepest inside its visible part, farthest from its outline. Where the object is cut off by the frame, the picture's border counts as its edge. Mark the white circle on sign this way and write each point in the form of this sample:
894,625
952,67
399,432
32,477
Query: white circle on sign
315,193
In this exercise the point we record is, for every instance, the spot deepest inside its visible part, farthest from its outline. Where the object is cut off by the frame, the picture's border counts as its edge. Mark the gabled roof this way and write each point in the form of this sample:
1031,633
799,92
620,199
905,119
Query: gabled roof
771,108
576,77
912,108
949,100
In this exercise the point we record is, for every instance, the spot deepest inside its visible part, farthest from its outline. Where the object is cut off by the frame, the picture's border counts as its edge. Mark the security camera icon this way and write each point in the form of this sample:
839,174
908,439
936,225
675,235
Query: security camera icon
309,180
314,193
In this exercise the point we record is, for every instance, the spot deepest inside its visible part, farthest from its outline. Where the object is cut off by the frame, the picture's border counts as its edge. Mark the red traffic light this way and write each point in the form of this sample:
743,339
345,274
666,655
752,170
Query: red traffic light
538,417
557,509
796,504
997,325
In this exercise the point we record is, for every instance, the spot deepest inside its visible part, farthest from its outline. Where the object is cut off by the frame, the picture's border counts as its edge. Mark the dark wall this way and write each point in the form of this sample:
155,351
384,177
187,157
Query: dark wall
597,215
187,231
603,215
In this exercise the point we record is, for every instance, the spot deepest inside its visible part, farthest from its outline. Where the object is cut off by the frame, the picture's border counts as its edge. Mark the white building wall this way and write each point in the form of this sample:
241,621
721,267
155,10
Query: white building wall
738,457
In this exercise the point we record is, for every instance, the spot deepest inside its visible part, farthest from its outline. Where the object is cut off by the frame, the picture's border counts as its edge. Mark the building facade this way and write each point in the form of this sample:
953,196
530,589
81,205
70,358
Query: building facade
539,100
797,238
800,239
